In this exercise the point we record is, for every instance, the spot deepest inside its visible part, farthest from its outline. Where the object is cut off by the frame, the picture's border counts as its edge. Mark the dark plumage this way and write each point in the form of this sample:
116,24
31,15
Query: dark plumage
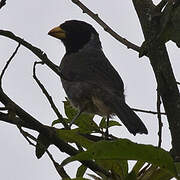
90,81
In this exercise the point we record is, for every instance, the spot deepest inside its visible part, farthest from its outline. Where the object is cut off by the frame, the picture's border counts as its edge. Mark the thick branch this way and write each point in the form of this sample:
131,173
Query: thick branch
161,65
49,132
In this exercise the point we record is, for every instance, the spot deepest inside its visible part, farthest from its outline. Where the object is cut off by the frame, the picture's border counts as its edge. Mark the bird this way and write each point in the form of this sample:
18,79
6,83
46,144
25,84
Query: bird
90,81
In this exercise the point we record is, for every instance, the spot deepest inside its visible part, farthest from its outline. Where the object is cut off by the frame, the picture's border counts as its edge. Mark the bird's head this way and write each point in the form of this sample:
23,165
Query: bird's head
75,34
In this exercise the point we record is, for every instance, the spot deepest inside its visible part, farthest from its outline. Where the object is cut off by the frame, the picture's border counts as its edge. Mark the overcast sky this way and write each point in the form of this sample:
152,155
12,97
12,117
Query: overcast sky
32,20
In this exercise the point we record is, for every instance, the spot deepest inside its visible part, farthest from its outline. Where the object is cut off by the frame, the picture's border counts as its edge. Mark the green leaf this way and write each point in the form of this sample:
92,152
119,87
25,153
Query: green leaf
103,123
147,173
42,145
73,136
156,173
131,176
81,170
177,164
119,167
66,161
138,166
57,121
84,121
161,174
96,177
127,150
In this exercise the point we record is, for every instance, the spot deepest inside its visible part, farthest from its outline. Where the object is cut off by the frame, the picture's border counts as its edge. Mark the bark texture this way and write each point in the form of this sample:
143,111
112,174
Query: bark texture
159,59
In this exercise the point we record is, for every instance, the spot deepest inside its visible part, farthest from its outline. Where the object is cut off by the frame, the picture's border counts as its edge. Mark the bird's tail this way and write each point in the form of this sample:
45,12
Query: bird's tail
129,118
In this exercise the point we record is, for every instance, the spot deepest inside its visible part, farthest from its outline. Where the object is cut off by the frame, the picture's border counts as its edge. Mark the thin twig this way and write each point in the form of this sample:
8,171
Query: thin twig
178,83
105,26
26,135
3,109
58,167
147,111
8,62
159,119
38,52
2,3
45,92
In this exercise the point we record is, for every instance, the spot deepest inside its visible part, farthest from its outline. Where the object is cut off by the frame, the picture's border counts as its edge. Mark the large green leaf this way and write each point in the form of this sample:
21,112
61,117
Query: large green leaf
131,176
155,173
160,174
73,136
119,167
127,150
138,166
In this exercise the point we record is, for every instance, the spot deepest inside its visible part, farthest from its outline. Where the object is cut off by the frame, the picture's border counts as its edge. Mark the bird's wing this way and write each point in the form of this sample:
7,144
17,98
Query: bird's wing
93,68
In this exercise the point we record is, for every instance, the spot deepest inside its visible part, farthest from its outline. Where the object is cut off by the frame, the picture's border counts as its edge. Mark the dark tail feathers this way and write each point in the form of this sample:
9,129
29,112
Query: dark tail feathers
128,117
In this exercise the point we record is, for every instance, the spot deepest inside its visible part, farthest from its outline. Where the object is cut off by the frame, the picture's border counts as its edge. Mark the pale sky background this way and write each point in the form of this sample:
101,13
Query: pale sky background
32,20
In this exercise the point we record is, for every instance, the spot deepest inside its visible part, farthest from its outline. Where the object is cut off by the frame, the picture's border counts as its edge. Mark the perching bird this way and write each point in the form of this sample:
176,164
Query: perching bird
90,81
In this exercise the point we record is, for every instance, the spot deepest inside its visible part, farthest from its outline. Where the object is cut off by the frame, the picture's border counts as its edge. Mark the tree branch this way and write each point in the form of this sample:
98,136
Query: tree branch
147,111
167,86
49,132
2,3
105,26
59,169
38,52
8,62
48,96
51,135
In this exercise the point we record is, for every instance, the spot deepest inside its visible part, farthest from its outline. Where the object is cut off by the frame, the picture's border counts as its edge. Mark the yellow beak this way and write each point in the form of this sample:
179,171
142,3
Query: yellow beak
57,32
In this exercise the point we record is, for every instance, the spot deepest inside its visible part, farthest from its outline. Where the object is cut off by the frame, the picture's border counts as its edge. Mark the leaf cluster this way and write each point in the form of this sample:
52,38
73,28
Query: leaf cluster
112,154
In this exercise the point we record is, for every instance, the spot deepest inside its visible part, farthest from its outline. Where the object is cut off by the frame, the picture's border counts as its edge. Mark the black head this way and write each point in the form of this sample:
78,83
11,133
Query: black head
74,34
